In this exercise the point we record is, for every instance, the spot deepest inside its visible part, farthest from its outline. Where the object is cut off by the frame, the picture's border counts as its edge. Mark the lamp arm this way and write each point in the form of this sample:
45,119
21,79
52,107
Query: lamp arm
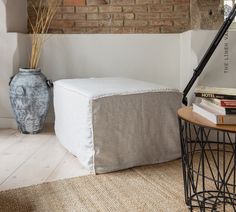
209,52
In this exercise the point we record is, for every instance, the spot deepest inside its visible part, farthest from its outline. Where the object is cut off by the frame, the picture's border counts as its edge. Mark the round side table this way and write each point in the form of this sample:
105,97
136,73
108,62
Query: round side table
208,161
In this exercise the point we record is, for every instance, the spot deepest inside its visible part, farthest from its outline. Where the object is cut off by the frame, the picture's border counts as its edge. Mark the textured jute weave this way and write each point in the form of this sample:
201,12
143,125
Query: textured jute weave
149,188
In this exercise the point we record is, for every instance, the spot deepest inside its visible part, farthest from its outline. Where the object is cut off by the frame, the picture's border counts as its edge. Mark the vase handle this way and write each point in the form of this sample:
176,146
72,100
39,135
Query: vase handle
11,78
49,83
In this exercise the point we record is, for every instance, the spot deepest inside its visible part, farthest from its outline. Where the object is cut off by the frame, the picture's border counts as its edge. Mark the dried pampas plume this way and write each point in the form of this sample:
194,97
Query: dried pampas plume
44,11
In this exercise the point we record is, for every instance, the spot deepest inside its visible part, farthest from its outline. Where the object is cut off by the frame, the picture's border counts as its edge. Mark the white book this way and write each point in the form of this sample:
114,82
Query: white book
226,103
215,90
213,115
207,103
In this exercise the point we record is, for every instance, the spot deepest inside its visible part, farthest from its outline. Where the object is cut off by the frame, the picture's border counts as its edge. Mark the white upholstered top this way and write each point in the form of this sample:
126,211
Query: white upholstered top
95,88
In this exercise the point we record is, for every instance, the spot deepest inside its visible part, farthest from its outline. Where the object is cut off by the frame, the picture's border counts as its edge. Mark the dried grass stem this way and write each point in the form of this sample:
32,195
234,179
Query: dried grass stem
44,11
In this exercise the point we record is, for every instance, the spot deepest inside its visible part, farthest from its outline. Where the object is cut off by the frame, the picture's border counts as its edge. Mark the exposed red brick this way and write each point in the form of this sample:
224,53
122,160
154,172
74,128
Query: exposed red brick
133,16
74,2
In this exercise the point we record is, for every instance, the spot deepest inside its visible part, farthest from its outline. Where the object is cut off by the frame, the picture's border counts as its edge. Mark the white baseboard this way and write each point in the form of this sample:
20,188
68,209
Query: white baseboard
8,123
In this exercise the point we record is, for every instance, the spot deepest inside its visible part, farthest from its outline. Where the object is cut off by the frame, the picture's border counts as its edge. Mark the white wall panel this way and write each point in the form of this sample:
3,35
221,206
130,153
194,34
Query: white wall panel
153,58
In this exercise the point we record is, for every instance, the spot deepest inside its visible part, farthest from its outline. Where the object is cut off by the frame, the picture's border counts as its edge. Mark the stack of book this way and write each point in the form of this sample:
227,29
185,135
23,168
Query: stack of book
218,105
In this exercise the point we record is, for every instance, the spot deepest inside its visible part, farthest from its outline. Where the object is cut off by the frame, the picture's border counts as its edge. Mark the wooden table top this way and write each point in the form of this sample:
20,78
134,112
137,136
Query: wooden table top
187,114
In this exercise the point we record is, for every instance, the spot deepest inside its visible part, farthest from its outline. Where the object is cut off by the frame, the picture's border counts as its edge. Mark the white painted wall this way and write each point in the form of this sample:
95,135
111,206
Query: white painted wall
188,61
13,55
153,58
214,74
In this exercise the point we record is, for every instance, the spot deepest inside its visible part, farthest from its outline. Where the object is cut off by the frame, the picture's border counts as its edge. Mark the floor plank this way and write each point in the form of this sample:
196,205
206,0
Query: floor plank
32,159
7,141
68,166
7,132
45,159
15,155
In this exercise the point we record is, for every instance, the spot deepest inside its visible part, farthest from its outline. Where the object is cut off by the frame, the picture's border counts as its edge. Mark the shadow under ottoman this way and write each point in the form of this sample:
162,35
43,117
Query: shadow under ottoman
117,123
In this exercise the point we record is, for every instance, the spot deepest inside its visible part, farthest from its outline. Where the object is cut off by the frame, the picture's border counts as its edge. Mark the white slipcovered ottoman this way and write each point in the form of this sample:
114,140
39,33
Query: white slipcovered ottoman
117,123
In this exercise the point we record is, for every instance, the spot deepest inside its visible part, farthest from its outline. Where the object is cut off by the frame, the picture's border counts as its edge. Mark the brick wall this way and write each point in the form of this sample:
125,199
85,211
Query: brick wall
131,16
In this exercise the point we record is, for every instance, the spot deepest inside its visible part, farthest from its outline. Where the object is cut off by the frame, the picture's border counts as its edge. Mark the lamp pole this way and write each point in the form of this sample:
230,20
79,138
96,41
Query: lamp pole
225,26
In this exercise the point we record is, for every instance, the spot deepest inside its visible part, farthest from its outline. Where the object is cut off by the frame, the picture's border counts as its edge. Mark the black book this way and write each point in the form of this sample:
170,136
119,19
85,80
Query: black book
215,96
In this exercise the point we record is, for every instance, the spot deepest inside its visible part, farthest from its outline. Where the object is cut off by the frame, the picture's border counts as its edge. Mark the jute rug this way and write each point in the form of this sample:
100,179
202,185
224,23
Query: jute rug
150,188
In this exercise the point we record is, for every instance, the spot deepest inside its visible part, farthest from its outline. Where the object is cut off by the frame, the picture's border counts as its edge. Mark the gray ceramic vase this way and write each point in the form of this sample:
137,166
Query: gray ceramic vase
29,96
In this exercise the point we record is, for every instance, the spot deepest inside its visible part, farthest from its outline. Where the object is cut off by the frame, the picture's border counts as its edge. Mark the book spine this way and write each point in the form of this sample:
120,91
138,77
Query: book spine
227,104
222,110
216,96
230,120
210,104
230,110
204,113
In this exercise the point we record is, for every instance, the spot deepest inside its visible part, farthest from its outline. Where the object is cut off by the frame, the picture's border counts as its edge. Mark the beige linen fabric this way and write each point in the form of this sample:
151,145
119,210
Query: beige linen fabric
134,130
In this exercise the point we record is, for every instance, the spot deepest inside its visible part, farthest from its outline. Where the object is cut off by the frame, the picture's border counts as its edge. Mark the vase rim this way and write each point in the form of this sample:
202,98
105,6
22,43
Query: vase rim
29,69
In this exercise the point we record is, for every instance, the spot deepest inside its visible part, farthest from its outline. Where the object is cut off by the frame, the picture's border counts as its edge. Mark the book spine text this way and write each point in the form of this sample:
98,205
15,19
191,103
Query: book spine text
216,96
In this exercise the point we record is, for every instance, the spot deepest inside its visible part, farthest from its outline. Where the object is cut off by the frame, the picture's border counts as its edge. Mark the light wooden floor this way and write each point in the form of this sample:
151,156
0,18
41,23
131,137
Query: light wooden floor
32,159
